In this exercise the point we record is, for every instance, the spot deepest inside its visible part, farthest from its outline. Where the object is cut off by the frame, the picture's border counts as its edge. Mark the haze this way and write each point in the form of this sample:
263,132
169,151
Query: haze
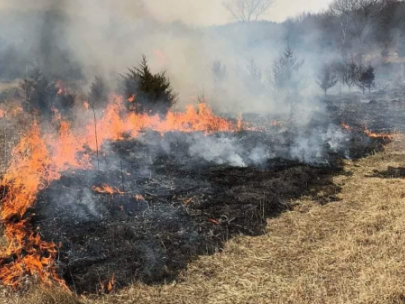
192,12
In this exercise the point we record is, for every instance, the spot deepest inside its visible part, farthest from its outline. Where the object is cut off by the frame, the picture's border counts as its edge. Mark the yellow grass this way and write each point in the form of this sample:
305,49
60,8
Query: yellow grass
350,251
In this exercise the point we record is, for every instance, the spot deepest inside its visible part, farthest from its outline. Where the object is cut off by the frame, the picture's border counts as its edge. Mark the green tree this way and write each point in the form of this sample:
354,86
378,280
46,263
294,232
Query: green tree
147,92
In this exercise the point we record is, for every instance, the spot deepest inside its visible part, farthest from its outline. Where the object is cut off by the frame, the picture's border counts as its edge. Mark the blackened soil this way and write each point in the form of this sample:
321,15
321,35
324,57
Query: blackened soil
167,216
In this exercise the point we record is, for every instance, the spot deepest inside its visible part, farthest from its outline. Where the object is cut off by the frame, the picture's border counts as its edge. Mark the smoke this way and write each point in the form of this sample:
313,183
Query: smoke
77,40
230,65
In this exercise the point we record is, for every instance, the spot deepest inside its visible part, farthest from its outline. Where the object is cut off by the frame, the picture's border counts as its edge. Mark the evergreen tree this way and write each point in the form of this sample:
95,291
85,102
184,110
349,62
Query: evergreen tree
286,74
147,92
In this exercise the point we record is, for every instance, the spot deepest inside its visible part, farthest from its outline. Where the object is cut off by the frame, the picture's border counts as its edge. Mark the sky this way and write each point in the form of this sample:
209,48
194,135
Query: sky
191,12
210,12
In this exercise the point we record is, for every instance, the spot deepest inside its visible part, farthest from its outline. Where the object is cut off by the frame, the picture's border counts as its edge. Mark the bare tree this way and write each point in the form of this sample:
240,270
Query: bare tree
357,17
248,10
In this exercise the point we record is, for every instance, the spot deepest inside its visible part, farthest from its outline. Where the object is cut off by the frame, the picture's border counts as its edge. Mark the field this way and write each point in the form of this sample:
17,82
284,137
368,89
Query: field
347,251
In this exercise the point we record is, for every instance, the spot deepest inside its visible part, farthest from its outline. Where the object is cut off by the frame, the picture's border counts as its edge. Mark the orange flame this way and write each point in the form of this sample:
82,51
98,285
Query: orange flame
39,159
139,197
107,287
131,99
29,172
378,135
111,283
107,189
345,126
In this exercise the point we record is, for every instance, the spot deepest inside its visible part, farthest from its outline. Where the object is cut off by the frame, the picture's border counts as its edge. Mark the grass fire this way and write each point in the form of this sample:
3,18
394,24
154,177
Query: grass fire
155,155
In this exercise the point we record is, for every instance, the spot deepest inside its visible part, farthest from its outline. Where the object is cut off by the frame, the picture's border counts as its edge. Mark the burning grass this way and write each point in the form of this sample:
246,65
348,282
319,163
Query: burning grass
72,198
38,160
348,251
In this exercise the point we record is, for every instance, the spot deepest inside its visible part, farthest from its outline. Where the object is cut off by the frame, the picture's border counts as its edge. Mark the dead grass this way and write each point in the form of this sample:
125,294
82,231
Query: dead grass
42,296
350,251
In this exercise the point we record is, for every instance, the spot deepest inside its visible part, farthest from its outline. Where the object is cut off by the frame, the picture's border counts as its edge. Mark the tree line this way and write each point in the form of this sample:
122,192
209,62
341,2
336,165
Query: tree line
144,91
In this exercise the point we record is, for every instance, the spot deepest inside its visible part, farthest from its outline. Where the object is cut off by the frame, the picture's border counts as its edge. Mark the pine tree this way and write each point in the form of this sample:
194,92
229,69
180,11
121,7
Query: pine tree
148,92
286,71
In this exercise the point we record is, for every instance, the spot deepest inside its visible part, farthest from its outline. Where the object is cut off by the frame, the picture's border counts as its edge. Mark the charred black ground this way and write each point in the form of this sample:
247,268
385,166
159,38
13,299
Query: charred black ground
175,206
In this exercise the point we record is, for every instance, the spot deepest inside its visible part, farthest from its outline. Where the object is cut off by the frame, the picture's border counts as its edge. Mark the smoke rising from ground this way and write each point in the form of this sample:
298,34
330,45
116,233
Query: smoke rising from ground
77,40
229,65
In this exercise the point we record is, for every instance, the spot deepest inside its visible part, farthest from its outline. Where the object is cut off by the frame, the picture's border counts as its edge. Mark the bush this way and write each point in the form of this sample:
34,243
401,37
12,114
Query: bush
42,96
39,93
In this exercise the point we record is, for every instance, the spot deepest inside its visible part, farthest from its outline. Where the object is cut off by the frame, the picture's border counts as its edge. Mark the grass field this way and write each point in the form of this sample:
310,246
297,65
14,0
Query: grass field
349,251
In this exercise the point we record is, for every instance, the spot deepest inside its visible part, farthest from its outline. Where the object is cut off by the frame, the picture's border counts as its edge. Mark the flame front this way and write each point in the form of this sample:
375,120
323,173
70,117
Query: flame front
29,172
39,159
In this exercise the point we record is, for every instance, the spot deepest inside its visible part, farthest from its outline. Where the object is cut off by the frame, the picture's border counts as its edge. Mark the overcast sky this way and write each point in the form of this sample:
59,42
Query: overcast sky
192,12
208,12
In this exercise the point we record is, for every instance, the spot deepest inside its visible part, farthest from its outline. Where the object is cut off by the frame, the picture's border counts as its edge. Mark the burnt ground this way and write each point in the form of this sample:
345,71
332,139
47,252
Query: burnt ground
178,204
175,206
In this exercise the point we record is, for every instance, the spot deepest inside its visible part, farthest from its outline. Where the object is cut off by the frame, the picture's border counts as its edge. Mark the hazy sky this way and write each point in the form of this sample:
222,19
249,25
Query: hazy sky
193,12
208,12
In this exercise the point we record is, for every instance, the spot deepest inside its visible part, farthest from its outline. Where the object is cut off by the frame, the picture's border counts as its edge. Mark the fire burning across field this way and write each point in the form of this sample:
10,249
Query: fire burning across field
145,163
39,160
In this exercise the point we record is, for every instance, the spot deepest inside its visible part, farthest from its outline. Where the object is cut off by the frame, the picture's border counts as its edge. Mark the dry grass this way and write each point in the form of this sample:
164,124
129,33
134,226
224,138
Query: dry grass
351,251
